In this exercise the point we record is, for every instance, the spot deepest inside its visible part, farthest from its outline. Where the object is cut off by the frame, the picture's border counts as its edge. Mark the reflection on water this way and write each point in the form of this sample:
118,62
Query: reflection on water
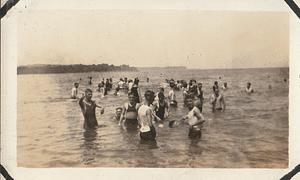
90,146
252,132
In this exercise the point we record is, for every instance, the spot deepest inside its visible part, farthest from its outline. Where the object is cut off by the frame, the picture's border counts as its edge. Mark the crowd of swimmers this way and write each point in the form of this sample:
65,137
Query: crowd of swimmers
155,109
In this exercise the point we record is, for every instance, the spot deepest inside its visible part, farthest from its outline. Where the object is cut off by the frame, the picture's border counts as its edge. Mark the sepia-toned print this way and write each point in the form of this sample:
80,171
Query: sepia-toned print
153,88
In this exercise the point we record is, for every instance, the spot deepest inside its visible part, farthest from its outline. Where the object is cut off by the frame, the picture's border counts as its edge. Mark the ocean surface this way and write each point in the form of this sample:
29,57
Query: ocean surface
251,133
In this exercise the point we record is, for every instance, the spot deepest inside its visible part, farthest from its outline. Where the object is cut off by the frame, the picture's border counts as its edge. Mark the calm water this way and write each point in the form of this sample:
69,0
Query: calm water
253,132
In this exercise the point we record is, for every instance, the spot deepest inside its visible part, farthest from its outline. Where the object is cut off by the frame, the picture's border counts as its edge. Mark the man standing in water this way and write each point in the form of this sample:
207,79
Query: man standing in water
217,101
172,96
146,118
75,91
130,113
88,108
216,85
194,119
249,89
225,87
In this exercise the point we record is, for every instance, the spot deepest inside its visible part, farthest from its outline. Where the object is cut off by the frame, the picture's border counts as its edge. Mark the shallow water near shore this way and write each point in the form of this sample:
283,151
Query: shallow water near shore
251,133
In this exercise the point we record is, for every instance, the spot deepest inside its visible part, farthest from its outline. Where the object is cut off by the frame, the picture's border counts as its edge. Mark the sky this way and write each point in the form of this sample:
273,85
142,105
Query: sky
149,38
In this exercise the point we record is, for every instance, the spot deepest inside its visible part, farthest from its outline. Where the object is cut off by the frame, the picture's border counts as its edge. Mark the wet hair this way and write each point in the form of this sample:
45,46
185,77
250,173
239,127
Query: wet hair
216,82
149,92
172,85
118,108
88,90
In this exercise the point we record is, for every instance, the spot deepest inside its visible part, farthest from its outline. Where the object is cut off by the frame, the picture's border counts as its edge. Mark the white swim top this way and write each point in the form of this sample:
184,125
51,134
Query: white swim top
172,95
192,119
74,92
143,119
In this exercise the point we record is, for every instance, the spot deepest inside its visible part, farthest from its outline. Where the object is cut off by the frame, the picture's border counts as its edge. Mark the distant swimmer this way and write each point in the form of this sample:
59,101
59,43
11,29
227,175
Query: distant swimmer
107,87
200,92
194,119
118,114
121,83
184,90
199,99
130,113
135,91
101,88
146,118
90,80
270,86
130,84
225,87
193,88
74,92
172,97
88,108
148,79
215,86
249,89
217,101
161,107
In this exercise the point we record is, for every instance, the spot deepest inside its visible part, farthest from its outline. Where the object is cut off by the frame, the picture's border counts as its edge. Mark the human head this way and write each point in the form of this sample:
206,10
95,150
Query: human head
149,96
189,102
76,84
200,85
194,81
131,98
248,84
118,111
216,83
88,94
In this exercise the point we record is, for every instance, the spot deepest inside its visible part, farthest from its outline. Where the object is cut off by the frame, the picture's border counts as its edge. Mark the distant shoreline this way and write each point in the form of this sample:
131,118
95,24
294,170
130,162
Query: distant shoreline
80,68
73,68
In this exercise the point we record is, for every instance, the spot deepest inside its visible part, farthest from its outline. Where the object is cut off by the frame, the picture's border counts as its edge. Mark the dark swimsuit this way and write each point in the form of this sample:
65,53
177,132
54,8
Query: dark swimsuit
131,123
161,110
88,111
148,136
194,132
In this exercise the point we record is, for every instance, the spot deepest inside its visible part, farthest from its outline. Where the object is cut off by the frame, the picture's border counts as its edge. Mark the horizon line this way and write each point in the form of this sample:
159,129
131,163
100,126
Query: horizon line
179,66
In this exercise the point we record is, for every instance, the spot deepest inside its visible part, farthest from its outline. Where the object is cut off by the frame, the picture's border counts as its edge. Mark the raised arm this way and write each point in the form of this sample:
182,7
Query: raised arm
81,104
122,115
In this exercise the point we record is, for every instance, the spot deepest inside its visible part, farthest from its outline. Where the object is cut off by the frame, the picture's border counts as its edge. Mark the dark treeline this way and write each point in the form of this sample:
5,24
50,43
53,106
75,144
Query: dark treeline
75,68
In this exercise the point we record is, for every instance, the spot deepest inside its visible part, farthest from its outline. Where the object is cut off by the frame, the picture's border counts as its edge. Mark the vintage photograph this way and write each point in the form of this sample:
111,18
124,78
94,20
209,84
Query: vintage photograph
153,89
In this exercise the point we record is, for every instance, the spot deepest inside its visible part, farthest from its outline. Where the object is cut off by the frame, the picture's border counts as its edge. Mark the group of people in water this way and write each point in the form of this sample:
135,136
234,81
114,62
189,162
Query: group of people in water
142,115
